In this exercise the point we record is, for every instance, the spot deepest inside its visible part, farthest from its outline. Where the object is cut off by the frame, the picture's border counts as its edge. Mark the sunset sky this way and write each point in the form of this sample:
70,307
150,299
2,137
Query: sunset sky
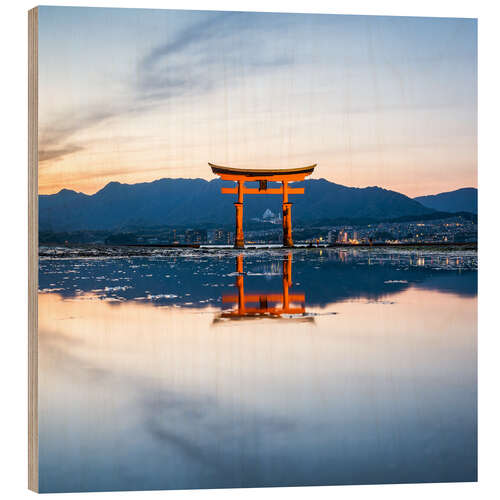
135,95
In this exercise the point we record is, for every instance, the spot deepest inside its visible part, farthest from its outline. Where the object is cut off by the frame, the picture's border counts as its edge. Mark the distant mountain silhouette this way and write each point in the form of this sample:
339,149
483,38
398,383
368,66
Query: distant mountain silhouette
196,202
461,200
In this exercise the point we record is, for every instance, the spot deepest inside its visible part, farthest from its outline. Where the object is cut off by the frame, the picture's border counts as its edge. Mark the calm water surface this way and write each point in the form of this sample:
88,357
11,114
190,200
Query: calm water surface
192,369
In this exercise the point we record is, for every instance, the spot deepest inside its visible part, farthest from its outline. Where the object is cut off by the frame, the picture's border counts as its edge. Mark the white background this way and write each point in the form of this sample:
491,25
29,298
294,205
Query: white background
13,245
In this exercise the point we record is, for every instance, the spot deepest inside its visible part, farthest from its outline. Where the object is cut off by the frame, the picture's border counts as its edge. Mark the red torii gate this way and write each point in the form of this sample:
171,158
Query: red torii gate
242,175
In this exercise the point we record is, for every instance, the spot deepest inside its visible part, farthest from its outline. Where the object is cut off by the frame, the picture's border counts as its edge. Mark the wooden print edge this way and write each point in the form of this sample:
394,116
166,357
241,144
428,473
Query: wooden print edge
33,249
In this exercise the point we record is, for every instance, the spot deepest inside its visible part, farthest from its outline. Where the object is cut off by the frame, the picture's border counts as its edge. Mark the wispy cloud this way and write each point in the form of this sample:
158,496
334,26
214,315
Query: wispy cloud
169,417
192,35
205,55
48,154
55,136
198,59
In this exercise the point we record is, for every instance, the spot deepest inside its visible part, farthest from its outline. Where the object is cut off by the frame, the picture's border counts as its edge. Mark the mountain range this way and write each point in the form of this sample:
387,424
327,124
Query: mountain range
461,200
197,203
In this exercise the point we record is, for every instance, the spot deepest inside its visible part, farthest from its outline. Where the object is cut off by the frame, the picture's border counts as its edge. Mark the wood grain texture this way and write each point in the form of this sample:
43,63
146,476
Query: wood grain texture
33,249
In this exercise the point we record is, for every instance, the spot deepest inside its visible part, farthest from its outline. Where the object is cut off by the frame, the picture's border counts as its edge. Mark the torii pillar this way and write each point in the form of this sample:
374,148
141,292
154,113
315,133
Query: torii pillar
240,176
239,238
287,218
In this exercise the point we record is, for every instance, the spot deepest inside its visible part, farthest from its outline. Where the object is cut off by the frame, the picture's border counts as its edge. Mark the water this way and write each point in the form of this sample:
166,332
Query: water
202,369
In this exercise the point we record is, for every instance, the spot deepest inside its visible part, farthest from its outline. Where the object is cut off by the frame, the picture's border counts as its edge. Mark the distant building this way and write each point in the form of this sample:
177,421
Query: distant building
269,216
195,236
342,236
222,237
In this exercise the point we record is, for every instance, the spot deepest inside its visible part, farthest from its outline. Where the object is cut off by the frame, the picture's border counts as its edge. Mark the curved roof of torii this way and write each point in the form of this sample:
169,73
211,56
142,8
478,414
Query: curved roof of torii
286,174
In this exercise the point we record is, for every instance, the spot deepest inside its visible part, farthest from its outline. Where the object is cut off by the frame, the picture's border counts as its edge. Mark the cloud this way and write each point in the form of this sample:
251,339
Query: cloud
206,54
193,34
47,154
198,59
170,417
57,137
54,136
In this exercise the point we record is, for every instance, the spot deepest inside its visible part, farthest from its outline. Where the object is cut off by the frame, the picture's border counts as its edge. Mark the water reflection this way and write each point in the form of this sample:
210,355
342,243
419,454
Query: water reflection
191,280
258,305
137,390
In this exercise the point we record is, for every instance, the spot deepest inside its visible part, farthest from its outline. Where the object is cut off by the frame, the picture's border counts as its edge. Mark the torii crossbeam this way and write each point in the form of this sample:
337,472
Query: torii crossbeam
241,175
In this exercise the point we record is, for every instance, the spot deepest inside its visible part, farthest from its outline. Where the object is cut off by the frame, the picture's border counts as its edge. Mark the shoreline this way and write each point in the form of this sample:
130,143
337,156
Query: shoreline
466,245
89,250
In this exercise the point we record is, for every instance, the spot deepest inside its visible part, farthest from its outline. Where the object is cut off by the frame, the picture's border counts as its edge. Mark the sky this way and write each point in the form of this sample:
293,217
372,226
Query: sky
133,95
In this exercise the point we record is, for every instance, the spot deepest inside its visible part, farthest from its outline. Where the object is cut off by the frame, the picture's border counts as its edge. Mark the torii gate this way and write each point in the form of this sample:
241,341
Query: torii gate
242,175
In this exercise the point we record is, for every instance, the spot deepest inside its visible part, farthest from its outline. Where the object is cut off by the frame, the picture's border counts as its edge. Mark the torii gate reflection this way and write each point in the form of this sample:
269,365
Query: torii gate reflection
273,305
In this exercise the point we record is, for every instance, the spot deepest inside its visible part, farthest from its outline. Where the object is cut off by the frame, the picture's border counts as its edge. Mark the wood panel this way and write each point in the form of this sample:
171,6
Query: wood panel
33,249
